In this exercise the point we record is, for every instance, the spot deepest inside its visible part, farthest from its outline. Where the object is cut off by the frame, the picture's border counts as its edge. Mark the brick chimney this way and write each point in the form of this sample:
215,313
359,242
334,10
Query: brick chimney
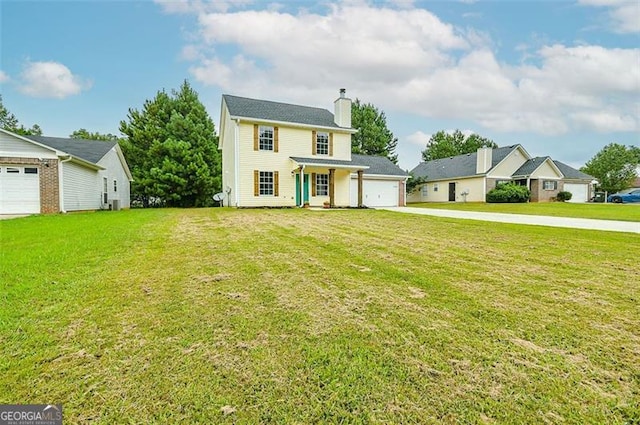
484,160
342,110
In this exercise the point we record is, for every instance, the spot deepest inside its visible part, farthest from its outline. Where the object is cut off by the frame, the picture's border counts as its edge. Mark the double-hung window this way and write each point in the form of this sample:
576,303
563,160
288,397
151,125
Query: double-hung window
266,183
550,185
322,184
322,143
266,138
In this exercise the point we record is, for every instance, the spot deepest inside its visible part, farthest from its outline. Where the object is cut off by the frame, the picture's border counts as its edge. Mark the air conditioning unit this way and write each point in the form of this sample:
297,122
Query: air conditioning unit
115,205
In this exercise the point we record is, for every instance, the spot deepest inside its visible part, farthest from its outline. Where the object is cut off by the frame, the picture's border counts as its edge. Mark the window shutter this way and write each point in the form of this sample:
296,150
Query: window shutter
256,183
330,144
313,184
255,138
275,183
313,143
275,139
555,185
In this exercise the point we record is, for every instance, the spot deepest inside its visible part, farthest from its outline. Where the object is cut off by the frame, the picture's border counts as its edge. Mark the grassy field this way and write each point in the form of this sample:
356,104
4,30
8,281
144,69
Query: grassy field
293,316
623,212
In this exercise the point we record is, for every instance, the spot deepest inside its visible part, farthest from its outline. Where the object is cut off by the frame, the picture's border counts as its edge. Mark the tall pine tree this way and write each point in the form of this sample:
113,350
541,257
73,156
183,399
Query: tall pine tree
172,149
373,136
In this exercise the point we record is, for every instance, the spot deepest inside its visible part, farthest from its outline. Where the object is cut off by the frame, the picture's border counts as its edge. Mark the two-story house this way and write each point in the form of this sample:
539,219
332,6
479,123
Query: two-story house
468,178
282,155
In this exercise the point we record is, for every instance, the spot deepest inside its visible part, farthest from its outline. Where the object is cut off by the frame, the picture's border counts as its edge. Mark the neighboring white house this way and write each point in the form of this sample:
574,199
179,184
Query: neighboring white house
41,174
468,178
282,155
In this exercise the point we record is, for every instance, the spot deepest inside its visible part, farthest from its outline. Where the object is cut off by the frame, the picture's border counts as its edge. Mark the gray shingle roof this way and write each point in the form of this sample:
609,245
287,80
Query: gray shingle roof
457,166
572,173
530,166
380,165
275,111
89,150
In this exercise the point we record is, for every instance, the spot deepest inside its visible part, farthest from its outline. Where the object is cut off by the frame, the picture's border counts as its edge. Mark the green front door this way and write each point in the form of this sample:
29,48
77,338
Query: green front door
306,188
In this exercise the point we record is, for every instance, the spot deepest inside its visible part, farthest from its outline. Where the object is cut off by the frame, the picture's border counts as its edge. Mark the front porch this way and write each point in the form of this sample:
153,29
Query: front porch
319,181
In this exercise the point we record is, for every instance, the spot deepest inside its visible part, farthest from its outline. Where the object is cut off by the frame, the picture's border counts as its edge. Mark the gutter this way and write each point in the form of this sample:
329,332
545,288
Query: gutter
61,182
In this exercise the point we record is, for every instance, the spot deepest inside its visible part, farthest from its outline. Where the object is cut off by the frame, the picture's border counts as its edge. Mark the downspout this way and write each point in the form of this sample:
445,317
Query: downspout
61,183
236,159
301,185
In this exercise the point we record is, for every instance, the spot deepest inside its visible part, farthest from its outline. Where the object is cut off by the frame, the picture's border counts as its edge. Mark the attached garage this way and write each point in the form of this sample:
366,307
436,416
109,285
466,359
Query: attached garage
19,190
43,175
376,193
383,183
579,191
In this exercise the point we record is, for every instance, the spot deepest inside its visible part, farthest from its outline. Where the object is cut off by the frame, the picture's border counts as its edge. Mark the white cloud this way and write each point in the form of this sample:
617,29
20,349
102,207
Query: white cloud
200,6
3,77
50,80
624,14
410,61
419,138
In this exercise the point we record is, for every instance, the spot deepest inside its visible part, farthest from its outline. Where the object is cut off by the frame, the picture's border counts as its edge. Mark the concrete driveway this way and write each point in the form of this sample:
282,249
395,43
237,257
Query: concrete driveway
535,220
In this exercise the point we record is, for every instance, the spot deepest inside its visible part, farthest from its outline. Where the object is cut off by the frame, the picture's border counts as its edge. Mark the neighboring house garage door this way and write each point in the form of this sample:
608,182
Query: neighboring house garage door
579,192
19,190
376,193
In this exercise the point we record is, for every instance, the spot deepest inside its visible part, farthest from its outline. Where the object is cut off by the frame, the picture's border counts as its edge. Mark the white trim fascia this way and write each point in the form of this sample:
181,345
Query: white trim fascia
294,124
85,163
33,142
381,176
341,167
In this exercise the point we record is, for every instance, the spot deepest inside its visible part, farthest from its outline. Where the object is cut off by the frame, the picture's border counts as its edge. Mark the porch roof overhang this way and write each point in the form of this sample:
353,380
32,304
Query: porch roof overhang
328,163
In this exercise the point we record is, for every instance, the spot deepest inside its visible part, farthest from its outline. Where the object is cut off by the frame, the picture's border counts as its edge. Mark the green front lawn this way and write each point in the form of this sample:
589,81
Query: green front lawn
295,316
623,212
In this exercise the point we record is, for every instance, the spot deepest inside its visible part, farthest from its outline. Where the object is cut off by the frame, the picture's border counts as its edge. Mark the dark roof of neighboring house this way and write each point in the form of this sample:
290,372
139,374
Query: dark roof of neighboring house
458,166
378,165
572,173
89,150
530,166
276,111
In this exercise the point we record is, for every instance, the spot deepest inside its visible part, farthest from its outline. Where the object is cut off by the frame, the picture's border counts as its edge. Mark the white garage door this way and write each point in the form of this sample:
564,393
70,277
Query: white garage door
19,190
579,192
375,193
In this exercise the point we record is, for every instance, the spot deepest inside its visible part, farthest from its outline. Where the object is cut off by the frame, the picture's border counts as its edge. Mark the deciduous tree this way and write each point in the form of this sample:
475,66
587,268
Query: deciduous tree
373,136
443,145
614,166
87,135
171,147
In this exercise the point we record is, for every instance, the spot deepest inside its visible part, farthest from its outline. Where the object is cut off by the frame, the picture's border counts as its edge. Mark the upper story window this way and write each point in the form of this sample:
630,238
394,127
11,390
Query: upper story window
550,185
265,138
322,143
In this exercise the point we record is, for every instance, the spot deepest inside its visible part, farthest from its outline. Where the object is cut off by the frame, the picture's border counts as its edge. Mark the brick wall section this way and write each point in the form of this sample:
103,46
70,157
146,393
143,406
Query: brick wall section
538,194
49,184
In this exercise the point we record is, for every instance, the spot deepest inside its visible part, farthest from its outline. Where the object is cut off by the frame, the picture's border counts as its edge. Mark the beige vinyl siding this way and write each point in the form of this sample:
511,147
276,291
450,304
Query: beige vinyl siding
13,147
545,171
508,165
82,189
475,187
342,187
291,142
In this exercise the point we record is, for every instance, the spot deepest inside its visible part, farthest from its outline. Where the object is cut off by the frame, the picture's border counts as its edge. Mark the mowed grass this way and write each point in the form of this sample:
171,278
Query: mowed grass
623,212
294,316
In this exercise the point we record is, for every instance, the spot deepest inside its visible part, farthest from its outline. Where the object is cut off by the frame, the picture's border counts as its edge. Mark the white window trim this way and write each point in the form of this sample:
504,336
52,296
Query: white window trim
264,175
324,186
326,137
267,140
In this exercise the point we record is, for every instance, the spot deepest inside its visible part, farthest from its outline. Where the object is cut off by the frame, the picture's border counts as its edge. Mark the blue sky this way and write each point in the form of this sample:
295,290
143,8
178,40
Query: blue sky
560,77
